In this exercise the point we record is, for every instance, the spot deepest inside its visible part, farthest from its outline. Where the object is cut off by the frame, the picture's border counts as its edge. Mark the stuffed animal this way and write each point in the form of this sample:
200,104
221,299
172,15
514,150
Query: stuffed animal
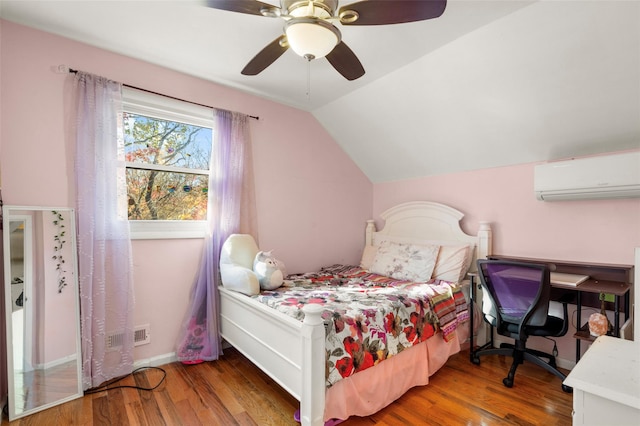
269,270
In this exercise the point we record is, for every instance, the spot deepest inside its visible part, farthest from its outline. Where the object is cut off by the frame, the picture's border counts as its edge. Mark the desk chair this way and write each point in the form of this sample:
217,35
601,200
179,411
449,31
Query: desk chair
516,303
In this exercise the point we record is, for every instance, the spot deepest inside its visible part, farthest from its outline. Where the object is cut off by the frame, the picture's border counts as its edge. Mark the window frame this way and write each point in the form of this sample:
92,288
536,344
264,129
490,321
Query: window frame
157,106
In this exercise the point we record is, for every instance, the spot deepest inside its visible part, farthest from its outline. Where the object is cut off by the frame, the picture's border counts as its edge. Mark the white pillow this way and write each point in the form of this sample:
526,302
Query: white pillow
453,263
240,279
410,262
368,254
236,264
240,250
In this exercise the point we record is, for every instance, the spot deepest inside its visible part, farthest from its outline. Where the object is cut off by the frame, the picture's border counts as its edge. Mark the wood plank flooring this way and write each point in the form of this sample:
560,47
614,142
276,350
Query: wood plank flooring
231,391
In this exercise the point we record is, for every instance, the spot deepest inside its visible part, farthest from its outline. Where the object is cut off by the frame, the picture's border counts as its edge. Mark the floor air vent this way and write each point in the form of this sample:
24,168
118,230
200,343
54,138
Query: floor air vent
141,336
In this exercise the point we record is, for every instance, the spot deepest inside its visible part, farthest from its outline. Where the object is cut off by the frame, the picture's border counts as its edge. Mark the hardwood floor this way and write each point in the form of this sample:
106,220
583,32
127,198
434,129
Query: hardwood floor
231,391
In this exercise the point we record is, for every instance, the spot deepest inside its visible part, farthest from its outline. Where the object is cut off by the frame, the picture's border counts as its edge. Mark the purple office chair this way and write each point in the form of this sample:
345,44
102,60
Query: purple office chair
516,303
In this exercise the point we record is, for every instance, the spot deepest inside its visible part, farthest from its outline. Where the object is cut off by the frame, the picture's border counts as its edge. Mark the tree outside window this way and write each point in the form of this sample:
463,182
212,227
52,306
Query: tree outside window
167,168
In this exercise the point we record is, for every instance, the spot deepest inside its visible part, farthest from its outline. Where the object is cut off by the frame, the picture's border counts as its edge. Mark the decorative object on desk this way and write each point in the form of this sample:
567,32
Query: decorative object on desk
599,323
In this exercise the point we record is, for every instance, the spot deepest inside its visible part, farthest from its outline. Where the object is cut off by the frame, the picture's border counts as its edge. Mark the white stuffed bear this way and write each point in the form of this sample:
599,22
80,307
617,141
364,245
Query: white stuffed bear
270,271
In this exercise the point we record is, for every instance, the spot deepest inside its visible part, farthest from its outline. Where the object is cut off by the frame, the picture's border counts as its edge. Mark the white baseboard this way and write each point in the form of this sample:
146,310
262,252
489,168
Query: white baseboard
567,364
168,358
156,361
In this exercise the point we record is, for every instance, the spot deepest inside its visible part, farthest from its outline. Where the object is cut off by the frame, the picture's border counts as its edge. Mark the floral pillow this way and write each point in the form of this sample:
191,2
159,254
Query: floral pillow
410,262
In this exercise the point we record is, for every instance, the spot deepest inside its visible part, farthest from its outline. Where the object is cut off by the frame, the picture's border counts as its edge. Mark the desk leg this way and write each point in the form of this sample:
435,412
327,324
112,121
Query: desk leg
626,305
616,317
579,322
472,292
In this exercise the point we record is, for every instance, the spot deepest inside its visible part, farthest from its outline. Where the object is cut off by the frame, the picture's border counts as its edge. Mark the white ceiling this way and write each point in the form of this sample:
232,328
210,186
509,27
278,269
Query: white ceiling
490,83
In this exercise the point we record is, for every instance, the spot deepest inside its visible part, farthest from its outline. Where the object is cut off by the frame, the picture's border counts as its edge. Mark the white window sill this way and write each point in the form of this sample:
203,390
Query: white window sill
163,230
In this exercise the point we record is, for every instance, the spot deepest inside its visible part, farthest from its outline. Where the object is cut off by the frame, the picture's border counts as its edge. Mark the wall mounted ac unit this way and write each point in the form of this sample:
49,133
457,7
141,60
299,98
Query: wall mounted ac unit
608,176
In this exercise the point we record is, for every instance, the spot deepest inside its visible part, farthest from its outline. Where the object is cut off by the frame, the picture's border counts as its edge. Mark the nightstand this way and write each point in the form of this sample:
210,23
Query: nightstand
606,383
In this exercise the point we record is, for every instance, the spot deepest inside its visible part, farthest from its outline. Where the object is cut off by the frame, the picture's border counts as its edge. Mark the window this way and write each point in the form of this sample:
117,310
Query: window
167,146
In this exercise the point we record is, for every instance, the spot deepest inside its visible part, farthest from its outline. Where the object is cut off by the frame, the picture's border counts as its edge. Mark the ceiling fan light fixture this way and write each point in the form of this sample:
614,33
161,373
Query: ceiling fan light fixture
311,38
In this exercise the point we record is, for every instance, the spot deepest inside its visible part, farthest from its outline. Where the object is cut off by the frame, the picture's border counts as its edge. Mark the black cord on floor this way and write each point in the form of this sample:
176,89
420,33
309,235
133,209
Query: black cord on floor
106,386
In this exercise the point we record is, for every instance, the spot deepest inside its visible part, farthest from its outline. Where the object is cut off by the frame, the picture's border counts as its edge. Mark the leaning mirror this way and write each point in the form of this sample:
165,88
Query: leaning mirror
42,307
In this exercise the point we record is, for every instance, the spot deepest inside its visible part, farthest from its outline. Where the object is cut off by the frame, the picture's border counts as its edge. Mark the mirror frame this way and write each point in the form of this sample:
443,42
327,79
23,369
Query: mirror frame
9,211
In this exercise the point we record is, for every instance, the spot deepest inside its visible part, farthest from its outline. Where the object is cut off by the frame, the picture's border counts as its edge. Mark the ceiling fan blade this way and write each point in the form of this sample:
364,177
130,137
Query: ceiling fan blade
266,56
251,7
345,62
382,12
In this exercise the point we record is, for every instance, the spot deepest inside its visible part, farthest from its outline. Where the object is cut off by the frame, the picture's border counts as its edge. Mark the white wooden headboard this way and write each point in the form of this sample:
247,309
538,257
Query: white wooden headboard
429,222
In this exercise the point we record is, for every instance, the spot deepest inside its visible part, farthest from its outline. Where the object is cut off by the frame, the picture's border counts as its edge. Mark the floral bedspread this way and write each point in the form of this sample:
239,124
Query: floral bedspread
369,317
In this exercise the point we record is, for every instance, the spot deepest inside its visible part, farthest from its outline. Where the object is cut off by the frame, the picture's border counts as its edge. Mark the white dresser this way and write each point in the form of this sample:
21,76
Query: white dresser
606,384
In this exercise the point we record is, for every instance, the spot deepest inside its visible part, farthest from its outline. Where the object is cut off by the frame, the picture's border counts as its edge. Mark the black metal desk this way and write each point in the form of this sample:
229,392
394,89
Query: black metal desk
603,278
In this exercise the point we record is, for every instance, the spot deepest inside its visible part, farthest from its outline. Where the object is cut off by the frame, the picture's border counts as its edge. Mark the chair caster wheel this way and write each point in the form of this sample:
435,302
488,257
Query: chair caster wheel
475,360
507,382
567,389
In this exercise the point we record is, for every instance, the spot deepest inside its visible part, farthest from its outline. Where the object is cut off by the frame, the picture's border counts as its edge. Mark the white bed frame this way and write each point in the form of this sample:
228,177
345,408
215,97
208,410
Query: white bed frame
292,352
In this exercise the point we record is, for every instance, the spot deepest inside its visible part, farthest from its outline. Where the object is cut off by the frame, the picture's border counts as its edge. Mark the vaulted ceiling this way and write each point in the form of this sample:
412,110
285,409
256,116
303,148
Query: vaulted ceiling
487,84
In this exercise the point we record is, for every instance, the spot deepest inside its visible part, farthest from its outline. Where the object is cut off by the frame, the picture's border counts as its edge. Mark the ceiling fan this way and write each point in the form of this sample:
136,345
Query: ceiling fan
309,31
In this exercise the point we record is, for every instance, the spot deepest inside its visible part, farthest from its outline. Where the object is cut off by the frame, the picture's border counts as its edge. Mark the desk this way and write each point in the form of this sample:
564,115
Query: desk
603,278
606,383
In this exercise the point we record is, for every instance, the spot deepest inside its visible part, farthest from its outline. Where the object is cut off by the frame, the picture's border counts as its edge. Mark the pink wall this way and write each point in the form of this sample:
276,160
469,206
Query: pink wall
602,231
309,193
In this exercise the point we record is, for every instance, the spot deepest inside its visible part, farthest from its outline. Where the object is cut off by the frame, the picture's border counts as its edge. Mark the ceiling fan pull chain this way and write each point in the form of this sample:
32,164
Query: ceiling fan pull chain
308,79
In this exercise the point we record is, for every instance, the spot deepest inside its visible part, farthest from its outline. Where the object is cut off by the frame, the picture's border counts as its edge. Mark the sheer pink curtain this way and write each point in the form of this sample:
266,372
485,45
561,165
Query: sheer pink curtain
231,210
104,245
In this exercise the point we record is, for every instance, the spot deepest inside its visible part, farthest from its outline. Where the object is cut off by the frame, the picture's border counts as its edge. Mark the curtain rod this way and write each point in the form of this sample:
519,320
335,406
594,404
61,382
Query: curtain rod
62,68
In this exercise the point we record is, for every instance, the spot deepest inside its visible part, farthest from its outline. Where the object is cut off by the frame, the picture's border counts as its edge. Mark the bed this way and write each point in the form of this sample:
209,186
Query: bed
297,359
